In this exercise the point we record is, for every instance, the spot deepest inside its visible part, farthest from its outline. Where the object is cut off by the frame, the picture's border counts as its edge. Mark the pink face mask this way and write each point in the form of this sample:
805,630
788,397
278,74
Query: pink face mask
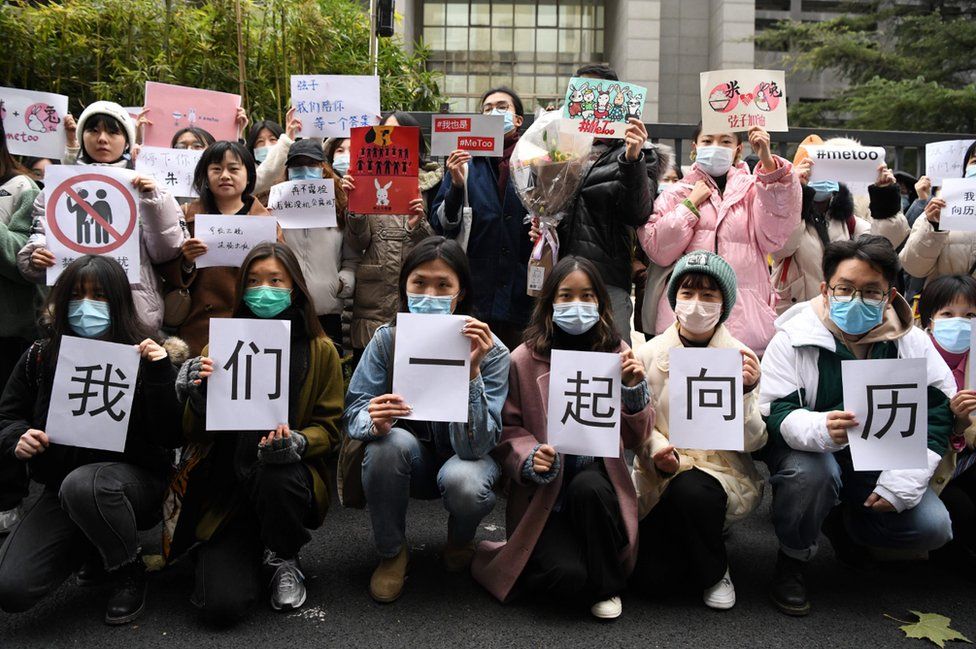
696,316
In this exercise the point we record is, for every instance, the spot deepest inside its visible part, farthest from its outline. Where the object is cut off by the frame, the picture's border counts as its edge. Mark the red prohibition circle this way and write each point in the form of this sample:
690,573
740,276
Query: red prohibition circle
55,228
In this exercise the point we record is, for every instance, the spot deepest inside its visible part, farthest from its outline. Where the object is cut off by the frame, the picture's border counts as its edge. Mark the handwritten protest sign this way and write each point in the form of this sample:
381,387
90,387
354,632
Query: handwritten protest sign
602,107
737,100
945,159
385,161
172,169
960,211
249,388
304,203
479,135
230,238
331,105
849,165
34,122
91,211
91,398
431,366
705,399
174,107
584,403
889,401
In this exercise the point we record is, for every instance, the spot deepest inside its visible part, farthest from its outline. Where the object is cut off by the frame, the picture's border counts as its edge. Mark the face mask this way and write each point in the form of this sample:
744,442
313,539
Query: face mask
304,173
430,304
260,155
575,317
854,317
340,164
970,171
267,301
662,186
824,189
952,334
89,318
714,160
509,118
696,316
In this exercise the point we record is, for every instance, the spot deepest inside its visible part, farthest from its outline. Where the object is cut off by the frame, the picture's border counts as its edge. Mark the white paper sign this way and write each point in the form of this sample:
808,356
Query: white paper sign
172,169
249,387
91,211
330,105
959,214
34,122
584,403
304,203
91,398
230,238
737,100
706,399
845,164
889,399
944,159
431,366
479,135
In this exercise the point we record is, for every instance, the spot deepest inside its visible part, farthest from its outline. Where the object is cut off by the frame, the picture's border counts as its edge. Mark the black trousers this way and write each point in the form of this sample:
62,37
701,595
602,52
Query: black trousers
14,482
576,554
681,538
959,497
229,578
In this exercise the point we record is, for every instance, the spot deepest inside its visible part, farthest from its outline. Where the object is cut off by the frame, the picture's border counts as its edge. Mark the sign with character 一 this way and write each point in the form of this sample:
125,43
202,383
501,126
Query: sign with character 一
91,211
431,366
705,399
584,403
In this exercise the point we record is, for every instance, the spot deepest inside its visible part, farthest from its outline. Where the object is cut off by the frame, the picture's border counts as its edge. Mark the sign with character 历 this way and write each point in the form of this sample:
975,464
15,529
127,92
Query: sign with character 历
738,100
385,162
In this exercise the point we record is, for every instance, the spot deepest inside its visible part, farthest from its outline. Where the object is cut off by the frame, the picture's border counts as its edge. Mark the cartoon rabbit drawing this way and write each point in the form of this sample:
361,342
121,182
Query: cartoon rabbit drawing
382,193
589,102
635,105
602,108
575,102
617,112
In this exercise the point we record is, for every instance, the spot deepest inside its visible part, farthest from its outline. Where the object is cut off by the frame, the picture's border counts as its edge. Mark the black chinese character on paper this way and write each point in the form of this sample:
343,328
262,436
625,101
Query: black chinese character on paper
110,394
714,392
892,406
582,400
234,366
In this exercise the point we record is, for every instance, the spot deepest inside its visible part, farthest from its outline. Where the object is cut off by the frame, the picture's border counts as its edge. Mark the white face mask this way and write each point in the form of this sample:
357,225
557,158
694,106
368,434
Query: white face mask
714,160
696,316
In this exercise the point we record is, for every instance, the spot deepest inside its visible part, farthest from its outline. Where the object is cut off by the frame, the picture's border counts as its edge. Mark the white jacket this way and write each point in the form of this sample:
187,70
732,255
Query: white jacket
328,263
790,364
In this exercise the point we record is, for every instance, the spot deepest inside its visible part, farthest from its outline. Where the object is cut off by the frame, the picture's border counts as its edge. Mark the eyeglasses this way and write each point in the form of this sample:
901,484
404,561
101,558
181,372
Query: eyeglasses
503,106
870,296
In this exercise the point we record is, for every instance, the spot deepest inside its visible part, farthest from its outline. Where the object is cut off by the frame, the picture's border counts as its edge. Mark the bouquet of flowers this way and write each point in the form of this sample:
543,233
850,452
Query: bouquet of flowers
548,165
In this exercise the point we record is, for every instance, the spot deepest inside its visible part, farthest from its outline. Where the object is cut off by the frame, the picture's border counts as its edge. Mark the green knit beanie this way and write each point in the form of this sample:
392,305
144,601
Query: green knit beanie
706,263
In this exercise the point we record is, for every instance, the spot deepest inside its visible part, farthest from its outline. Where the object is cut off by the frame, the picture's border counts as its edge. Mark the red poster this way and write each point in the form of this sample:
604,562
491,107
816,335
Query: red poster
385,162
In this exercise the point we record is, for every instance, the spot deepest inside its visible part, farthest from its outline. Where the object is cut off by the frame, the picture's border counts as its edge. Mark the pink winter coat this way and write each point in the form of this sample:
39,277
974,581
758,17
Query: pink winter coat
752,219
496,565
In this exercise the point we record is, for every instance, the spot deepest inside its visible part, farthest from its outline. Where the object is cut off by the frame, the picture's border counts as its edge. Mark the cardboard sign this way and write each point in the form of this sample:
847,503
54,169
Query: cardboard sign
738,100
172,108
229,239
479,135
385,161
602,107
431,366
172,169
304,203
945,159
91,210
584,403
706,399
332,105
845,164
34,122
960,211
91,398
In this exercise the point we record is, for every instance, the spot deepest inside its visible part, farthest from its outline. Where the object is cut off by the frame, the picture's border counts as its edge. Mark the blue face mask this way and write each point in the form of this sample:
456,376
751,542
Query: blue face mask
340,164
261,154
267,301
89,318
575,317
304,173
970,171
824,189
430,304
854,317
952,334
508,116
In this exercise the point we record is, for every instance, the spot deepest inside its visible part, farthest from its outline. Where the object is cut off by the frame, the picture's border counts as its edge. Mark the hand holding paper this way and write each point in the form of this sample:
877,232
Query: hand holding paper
384,410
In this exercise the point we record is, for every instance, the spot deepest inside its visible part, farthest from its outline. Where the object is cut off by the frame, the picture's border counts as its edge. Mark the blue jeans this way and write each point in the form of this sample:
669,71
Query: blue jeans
399,466
806,486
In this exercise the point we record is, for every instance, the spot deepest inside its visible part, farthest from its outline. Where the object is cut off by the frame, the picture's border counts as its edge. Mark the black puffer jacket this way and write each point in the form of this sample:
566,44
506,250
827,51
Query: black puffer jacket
613,200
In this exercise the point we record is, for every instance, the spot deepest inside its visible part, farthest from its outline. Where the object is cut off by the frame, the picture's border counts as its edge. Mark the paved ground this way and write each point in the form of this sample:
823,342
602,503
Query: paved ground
441,610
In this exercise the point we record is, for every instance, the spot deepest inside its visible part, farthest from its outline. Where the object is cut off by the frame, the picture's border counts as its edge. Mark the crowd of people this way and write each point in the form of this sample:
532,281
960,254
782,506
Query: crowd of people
736,251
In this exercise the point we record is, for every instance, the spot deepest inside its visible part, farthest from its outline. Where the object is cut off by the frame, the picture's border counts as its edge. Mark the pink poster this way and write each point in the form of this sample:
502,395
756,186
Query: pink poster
174,107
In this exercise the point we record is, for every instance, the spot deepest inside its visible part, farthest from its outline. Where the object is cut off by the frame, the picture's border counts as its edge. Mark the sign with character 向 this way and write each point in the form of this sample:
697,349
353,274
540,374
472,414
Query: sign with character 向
706,399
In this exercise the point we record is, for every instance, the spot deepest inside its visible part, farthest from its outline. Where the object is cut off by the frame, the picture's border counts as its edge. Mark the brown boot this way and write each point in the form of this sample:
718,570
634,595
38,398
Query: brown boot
457,558
386,584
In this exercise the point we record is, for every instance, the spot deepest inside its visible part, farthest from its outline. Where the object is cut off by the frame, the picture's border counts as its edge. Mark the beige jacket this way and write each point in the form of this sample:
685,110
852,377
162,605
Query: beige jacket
930,254
735,471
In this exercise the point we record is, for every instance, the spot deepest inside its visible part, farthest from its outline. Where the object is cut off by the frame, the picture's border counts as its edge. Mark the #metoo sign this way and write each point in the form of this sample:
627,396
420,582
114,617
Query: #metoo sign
479,135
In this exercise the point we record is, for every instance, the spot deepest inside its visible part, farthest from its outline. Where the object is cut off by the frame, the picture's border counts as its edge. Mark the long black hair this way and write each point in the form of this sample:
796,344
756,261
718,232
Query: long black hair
970,152
204,138
252,136
452,254
9,167
214,154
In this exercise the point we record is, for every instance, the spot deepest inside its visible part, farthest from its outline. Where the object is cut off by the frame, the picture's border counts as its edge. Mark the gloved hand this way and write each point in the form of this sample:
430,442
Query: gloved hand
191,383
282,446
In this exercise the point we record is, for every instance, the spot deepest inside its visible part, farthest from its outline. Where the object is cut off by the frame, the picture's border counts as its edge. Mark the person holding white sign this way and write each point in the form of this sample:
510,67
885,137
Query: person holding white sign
688,497
94,502
255,494
574,517
403,458
858,315
107,135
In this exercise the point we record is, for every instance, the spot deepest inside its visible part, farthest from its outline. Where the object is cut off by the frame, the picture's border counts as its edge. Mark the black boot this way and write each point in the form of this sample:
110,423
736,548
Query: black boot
92,572
128,598
789,589
846,549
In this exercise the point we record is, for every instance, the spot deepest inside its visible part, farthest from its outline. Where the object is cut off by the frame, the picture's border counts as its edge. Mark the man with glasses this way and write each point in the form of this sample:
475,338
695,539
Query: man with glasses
859,315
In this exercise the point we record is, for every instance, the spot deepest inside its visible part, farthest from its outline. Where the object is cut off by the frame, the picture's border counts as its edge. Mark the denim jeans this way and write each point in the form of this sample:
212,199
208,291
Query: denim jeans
806,486
398,466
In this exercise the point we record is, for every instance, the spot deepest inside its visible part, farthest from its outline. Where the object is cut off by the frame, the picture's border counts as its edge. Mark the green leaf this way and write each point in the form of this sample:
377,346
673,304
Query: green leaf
934,628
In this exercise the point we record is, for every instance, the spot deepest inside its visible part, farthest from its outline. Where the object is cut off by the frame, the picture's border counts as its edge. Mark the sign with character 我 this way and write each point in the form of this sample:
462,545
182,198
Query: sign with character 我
738,100
584,403
34,122
601,107
385,162
706,399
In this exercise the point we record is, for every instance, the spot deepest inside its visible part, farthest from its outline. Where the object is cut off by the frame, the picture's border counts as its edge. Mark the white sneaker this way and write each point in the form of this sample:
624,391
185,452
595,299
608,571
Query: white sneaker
609,609
721,596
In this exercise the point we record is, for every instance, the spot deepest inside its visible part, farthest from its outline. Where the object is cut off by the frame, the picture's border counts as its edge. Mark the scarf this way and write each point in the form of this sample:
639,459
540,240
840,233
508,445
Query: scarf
504,165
